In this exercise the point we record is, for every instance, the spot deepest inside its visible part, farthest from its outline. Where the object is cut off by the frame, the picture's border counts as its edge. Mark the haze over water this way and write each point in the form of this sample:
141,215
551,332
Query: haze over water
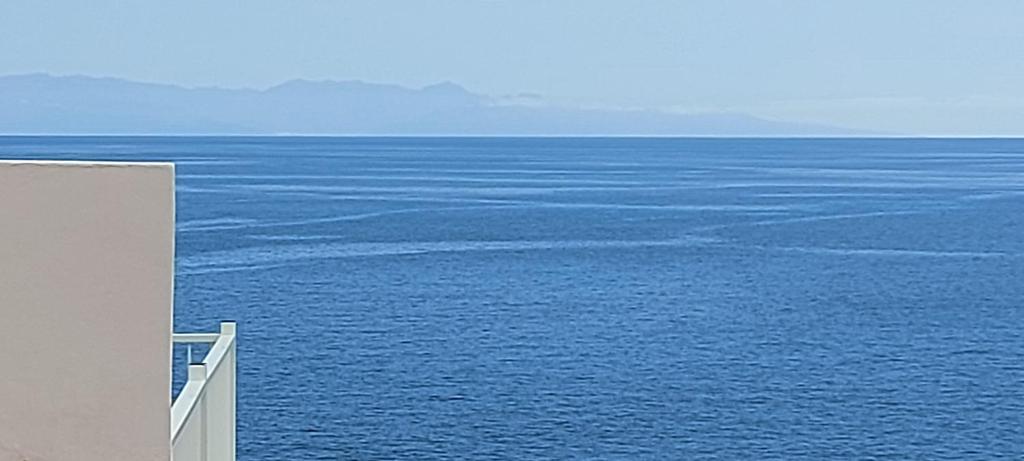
465,298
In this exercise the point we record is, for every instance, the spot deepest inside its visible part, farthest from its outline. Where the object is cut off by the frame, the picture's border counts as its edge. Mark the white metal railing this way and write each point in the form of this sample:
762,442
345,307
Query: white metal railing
203,415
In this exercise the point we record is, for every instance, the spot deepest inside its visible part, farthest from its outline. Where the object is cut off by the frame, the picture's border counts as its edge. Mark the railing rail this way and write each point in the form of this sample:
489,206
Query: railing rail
203,415
190,338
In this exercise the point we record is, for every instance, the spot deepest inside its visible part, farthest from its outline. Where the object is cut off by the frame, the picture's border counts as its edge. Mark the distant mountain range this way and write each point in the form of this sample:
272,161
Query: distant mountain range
46,104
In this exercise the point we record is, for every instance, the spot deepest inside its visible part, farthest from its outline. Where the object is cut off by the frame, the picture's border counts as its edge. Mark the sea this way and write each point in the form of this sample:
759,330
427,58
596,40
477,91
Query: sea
603,298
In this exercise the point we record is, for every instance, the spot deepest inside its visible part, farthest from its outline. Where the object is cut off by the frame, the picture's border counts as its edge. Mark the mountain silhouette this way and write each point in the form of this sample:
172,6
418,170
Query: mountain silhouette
47,104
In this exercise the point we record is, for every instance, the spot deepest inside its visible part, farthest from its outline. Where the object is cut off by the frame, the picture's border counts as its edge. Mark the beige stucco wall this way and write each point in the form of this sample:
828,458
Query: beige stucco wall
86,284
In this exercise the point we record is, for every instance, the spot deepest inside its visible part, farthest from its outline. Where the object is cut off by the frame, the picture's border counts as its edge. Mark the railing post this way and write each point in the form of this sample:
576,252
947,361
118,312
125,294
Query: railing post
229,382
198,372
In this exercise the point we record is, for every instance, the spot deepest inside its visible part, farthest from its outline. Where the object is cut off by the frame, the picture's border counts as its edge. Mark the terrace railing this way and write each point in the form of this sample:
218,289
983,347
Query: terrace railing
203,414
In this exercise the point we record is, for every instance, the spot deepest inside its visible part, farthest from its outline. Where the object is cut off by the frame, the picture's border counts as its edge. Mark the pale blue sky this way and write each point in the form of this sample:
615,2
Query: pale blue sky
909,66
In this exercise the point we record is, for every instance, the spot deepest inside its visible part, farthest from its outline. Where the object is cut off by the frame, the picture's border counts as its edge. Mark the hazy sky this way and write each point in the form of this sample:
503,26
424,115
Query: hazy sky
908,66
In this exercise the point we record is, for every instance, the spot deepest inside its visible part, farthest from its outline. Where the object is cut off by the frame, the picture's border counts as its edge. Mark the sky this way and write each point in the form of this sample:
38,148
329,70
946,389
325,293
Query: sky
916,67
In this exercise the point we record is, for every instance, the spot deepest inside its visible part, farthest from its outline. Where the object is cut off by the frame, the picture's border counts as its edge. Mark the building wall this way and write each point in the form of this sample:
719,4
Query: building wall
86,286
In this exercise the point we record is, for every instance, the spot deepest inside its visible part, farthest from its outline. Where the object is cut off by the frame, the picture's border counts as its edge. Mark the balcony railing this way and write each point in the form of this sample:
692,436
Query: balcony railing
203,414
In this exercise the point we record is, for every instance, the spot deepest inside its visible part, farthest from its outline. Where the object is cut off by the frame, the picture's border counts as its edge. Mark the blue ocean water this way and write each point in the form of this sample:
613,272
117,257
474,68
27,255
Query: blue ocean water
626,299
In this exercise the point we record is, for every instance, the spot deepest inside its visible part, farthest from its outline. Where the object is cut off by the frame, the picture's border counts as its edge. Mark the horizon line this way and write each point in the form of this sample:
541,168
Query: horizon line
496,136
